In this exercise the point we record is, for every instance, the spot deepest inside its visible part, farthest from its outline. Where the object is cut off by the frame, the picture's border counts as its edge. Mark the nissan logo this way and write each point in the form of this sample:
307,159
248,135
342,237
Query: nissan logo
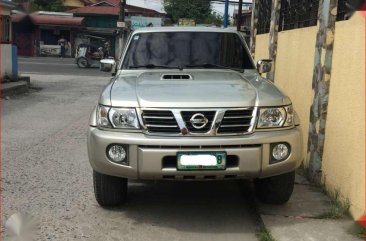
198,121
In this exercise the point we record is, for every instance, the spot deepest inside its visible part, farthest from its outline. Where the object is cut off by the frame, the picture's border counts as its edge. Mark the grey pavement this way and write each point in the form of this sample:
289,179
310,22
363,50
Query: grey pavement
300,220
45,173
55,65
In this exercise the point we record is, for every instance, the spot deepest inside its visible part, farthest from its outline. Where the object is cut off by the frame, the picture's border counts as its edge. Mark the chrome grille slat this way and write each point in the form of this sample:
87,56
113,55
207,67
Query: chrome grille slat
162,126
237,117
223,126
159,117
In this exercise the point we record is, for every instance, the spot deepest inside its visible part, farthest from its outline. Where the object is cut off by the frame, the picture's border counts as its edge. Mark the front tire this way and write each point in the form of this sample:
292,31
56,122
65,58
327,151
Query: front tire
109,190
82,63
275,190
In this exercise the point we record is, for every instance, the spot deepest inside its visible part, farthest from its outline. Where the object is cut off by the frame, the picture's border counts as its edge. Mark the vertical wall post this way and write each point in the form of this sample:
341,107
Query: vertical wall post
321,81
254,27
226,14
239,16
273,35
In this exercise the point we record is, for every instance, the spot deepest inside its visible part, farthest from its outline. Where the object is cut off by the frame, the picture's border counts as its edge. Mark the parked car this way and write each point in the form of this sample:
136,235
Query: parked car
190,104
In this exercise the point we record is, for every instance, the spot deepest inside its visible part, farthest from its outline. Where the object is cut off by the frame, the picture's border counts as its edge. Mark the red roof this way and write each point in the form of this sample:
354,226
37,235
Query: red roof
109,10
56,20
49,20
101,10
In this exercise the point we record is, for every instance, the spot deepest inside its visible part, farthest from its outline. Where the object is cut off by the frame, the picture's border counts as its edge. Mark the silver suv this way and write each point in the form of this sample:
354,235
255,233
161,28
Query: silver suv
190,104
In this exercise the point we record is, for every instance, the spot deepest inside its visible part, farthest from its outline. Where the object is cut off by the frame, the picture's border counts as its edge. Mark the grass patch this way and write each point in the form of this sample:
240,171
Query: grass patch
265,235
338,208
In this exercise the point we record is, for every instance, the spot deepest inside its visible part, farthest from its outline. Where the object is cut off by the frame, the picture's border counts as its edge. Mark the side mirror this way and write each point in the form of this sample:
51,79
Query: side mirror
106,65
264,66
115,68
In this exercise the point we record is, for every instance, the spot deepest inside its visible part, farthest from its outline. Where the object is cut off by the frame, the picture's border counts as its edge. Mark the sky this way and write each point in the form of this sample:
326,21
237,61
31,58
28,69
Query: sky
157,5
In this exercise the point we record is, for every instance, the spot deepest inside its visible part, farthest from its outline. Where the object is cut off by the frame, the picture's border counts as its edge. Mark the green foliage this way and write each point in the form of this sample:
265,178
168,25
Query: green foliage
48,5
338,208
265,235
215,19
193,9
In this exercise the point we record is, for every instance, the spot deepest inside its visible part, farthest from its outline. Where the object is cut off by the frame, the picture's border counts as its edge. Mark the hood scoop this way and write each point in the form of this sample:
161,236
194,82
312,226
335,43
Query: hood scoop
176,76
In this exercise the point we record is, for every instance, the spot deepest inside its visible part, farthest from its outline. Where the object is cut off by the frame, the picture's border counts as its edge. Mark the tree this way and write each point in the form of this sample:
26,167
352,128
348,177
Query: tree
215,19
48,5
199,10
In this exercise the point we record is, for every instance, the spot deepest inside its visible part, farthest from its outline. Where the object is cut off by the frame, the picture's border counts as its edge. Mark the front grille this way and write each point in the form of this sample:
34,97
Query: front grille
187,115
160,121
177,122
236,121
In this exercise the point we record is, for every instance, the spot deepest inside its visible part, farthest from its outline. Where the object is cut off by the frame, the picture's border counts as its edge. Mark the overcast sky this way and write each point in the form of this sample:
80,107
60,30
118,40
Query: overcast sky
157,5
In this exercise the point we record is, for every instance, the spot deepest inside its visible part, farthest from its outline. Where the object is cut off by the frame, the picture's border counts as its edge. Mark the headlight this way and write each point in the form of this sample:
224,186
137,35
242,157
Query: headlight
275,117
124,118
102,116
119,118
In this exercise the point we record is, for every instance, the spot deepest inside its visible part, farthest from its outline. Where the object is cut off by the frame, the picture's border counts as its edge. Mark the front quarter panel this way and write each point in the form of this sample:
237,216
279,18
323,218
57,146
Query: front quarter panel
105,97
93,117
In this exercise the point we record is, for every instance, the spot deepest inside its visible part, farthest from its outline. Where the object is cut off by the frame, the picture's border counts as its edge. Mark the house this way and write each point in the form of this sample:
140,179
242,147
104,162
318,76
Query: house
101,21
38,33
8,61
71,4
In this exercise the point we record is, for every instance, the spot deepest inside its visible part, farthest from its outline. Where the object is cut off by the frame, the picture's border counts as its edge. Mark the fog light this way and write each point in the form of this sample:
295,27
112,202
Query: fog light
117,153
280,151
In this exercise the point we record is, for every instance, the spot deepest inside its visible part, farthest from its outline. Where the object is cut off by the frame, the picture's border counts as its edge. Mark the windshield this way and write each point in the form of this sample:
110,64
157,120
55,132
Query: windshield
187,50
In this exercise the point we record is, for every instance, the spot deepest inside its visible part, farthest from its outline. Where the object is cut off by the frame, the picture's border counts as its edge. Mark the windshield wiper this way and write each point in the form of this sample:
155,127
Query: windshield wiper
207,65
153,66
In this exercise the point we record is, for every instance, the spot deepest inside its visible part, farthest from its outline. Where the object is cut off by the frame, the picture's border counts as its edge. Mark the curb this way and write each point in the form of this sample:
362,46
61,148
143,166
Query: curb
14,88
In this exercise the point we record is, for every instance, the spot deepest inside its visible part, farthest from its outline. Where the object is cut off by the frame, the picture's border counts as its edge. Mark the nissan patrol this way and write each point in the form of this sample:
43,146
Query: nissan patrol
190,104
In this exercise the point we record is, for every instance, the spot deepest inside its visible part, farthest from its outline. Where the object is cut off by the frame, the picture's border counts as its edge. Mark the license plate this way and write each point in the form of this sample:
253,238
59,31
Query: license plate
188,161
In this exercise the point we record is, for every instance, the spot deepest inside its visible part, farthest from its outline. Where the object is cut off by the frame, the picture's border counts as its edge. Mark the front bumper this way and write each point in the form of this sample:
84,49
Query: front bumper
146,154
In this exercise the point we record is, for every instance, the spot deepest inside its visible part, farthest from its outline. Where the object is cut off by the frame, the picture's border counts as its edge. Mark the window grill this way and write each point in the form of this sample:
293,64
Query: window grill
298,14
342,10
295,14
264,16
5,29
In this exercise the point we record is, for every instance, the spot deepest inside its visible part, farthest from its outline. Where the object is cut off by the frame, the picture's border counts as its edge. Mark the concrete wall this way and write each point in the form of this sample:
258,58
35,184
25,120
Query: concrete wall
343,162
7,61
344,153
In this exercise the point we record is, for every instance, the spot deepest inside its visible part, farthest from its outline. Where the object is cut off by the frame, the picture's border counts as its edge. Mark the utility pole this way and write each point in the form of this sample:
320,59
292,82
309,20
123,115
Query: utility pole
226,14
122,6
238,17
121,27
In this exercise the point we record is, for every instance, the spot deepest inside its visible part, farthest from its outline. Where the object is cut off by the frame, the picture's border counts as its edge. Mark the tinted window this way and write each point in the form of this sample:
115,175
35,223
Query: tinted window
187,48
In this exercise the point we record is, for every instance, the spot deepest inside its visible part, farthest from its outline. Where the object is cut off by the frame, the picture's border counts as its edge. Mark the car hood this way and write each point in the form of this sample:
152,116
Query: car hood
205,89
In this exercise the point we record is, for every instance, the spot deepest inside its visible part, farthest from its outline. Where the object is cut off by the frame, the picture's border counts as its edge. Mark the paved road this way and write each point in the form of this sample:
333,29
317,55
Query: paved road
54,65
46,173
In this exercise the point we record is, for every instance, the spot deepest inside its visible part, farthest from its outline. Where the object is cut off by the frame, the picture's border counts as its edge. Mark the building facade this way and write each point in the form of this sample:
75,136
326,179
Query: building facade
8,62
37,34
